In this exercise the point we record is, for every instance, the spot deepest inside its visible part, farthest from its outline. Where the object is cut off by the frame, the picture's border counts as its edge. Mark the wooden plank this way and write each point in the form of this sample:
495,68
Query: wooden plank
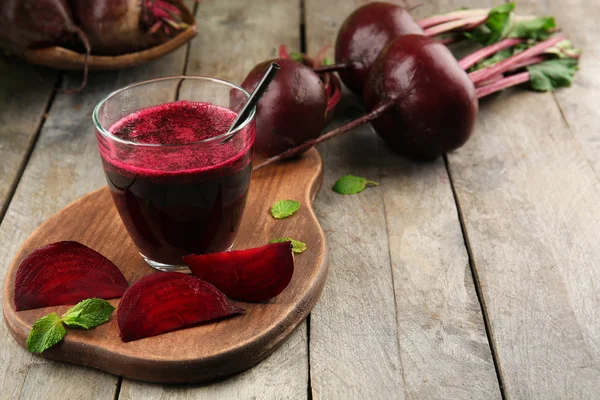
579,103
442,341
443,344
353,337
64,166
233,38
280,376
25,91
527,194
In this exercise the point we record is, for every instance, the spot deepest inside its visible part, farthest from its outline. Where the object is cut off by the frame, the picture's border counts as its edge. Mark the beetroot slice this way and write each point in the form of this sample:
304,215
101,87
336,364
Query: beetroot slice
166,301
257,274
65,273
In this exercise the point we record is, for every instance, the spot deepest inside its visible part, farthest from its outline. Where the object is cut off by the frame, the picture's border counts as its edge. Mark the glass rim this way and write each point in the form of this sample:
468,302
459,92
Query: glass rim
222,136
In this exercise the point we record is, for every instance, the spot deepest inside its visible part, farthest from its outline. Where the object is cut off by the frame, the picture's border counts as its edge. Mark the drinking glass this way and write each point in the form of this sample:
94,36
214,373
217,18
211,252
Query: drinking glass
177,199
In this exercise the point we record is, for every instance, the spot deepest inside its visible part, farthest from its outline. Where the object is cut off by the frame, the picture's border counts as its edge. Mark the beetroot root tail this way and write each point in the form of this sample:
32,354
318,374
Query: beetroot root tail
375,113
88,50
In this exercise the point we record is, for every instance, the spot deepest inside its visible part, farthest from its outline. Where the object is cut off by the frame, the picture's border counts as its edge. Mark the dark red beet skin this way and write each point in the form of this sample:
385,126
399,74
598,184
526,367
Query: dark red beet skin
166,301
293,108
34,23
65,273
257,274
435,105
364,34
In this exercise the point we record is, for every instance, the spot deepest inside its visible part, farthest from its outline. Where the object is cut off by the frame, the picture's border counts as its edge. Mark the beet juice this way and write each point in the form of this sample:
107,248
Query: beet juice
178,190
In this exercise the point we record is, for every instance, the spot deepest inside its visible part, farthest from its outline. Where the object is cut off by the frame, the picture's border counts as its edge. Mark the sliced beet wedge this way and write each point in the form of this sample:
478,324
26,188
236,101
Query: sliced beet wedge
65,273
257,274
166,301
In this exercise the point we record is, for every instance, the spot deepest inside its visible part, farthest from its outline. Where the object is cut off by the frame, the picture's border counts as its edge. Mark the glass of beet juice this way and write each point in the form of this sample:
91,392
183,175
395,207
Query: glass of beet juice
177,188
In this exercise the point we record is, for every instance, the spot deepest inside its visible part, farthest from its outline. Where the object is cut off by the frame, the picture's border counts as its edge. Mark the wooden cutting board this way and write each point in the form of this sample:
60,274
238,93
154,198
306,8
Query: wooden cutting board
202,353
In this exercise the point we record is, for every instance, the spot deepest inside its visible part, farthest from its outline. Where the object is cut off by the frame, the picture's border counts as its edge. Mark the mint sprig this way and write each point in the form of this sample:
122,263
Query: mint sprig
284,208
49,330
45,333
88,314
297,246
351,184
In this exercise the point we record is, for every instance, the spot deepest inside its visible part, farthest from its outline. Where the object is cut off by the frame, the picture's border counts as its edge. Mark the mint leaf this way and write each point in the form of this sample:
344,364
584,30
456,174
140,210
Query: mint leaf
327,61
45,333
88,314
539,28
297,57
284,208
297,246
350,184
552,74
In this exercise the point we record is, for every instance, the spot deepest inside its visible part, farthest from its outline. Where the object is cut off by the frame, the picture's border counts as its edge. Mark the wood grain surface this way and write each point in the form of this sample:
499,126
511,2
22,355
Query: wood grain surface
232,39
63,167
203,353
527,194
410,323
25,92
524,186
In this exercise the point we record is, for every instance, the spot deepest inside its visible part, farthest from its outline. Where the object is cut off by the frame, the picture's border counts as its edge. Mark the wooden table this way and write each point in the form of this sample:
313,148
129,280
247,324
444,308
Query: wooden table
473,277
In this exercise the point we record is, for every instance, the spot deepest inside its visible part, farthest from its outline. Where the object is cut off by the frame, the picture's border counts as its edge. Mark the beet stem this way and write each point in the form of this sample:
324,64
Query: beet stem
283,51
528,62
525,63
452,16
487,51
333,67
469,23
502,84
88,49
450,40
509,63
373,114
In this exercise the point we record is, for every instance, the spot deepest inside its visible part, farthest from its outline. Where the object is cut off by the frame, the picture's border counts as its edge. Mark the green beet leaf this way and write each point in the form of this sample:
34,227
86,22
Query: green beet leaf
497,26
45,333
284,208
296,57
539,28
350,184
88,314
552,74
297,246
564,49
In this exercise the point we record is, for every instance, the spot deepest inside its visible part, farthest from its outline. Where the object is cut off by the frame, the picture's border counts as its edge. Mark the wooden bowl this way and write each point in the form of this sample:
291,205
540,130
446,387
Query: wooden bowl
63,58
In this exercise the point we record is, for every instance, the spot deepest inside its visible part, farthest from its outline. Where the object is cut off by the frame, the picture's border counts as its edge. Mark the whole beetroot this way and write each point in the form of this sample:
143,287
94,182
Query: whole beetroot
30,24
292,110
364,34
123,26
27,24
419,100
435,105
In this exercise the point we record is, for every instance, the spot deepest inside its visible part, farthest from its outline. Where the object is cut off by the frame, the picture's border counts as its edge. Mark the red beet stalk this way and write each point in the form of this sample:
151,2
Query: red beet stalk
452,16
461,24
487,51
506,65
502,84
